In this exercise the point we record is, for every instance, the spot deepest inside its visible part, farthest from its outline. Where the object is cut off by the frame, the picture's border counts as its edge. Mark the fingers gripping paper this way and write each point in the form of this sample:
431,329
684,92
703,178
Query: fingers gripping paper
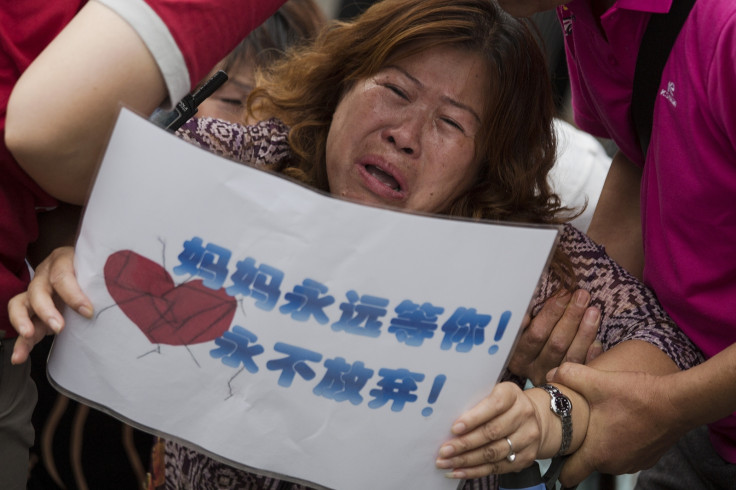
282,330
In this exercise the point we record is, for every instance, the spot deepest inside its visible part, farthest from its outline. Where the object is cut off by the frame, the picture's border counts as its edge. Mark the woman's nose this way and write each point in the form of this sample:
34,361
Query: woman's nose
405,135
406,149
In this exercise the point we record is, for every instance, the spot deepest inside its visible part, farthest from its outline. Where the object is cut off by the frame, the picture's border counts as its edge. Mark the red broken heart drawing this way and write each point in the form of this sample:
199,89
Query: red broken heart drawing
190,313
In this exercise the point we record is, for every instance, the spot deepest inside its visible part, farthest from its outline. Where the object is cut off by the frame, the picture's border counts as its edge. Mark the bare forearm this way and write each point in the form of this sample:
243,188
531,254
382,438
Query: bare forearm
523,422
638,402
705,393
616,223
699,395
636,356
95,65
633,355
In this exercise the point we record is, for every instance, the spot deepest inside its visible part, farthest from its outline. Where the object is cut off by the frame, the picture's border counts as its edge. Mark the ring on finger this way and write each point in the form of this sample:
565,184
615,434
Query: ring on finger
511,457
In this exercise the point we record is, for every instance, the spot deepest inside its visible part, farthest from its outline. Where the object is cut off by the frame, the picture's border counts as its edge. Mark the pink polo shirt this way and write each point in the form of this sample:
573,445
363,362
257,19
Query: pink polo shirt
688,191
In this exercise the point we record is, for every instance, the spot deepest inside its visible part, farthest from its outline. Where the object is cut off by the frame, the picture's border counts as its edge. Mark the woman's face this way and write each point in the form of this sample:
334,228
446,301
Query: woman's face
405,137
228,101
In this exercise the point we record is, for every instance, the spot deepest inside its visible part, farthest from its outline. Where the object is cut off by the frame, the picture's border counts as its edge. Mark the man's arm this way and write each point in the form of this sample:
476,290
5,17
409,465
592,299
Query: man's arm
642,415
616,223
705,393
479,446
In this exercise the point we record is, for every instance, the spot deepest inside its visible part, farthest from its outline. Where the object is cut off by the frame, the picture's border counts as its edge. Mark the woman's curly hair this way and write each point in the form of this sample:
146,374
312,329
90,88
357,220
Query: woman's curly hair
516,143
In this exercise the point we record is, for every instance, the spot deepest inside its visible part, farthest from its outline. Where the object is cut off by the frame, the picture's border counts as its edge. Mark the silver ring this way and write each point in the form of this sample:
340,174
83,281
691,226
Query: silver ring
512,455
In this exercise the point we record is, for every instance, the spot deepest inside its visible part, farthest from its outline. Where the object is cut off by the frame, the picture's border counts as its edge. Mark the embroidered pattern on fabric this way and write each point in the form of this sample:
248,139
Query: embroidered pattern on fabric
260,145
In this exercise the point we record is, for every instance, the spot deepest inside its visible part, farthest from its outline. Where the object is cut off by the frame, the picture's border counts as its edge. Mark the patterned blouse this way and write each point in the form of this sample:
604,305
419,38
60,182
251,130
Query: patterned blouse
629,310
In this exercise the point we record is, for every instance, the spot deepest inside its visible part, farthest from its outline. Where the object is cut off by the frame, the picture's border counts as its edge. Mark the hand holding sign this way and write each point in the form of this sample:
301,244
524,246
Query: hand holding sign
269,381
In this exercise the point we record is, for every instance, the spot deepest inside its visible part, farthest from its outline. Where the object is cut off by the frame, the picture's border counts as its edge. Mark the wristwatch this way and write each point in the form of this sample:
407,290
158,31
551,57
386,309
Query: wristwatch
562,407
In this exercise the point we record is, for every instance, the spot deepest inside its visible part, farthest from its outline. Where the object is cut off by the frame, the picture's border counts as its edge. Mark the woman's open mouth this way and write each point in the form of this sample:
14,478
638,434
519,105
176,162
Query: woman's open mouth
385,178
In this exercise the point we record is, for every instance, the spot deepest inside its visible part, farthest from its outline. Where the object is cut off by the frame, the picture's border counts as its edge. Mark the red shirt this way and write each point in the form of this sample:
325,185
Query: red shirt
186,41
25,29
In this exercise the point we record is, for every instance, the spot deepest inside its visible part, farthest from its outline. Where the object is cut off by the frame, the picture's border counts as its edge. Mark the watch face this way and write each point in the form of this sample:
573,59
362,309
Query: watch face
562,405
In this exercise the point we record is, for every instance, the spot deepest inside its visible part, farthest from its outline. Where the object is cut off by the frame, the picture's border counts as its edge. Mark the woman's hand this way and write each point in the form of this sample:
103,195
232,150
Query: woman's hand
35,314
506,422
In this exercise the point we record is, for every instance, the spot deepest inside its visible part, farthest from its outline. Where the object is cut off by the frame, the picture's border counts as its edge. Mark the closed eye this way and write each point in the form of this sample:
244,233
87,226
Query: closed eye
454,124
235,102
397,91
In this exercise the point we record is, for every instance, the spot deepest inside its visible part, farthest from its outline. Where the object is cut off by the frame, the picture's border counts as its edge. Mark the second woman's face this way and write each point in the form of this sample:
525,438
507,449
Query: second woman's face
405,137
228,102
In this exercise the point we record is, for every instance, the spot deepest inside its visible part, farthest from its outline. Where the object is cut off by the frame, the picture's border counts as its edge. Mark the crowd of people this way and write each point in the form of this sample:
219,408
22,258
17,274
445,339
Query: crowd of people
373,108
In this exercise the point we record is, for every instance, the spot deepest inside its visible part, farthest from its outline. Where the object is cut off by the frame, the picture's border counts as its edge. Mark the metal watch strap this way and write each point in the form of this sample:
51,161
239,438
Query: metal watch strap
562,407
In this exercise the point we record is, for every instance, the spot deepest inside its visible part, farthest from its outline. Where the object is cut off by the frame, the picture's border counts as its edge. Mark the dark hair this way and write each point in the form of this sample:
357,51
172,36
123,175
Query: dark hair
516,142
296,22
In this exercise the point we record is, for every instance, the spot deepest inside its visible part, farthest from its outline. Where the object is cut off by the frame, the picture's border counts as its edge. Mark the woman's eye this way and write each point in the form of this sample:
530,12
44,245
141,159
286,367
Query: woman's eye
397,91
233,102
453,124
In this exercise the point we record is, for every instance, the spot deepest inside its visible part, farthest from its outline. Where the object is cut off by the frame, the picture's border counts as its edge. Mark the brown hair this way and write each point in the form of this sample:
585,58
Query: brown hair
516,144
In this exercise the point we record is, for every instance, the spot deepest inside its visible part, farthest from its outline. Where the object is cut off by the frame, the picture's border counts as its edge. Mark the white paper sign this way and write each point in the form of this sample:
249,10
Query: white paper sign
280,329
